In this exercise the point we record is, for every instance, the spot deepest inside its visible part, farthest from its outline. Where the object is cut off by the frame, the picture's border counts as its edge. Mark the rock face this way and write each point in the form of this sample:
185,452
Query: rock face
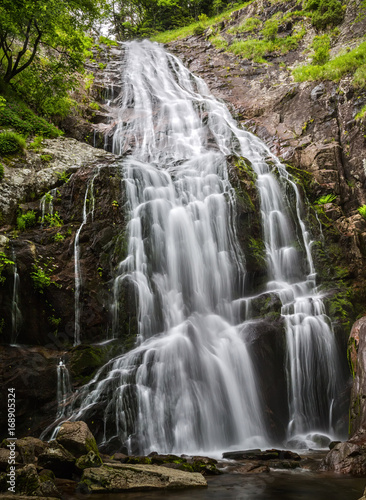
115,478
357,359
347,458
350,457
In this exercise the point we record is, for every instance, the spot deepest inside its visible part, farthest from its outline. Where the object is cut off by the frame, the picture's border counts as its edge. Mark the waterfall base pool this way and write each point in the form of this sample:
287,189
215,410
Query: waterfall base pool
284,485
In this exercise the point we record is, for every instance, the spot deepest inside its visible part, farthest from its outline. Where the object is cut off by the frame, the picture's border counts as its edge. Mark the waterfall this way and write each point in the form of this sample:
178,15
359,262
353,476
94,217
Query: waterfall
64,390
16,315
88,211
47,199
189,385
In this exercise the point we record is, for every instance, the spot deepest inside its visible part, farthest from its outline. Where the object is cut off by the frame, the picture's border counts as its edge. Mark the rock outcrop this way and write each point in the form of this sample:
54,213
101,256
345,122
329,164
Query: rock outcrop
350,457
116,478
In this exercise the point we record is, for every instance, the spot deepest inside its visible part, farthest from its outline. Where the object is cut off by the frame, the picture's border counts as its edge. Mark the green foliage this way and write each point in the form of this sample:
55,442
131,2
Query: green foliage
41,277
270,29
46,158
2,102
219,42
4,262
361,114
199,29
36,144
182,27
11,143
1,172
321,47
63,176
325,13
353,61
52,220
60,27
362,211
258,49
58,237
20,117
323,200
26,220
108,41
250,24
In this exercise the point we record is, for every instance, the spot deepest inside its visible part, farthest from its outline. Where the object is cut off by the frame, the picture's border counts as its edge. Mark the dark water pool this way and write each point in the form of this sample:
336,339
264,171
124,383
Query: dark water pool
276,485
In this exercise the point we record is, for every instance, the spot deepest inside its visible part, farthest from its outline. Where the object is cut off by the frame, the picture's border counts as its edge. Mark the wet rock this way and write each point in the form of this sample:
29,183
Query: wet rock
357,360
347,458
90,460
4,458
77,438
319,439
60,461
118,478
30,448
29,483
257,454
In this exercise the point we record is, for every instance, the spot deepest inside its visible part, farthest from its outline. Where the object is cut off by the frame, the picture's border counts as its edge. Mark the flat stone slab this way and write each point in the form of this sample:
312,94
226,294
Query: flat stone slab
116,478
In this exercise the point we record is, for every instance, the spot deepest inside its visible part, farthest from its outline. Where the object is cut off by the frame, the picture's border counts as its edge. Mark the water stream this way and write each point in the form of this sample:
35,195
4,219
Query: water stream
190,385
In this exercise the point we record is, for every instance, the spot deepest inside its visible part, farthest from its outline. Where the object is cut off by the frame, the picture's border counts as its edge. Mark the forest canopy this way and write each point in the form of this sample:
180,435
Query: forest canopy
139,18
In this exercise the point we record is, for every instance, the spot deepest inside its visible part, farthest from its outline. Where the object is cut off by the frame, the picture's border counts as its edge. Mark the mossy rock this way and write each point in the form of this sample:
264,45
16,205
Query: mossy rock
85,360
91,459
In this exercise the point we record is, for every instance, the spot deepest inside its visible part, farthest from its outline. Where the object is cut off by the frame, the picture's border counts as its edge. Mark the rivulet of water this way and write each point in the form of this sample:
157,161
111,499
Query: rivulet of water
189,385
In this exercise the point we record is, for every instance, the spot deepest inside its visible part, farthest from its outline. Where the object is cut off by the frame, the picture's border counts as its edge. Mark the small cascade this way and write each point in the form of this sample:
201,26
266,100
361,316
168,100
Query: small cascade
16,315
190,384
88,212
47,199
64,390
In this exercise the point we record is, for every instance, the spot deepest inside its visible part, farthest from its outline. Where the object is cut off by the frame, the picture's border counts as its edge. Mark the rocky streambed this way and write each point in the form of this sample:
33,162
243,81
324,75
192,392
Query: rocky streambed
71,466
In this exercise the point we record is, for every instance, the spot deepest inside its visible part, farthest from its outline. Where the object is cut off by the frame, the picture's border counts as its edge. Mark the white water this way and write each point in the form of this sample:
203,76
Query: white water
16,315
190,385
64,390
88,212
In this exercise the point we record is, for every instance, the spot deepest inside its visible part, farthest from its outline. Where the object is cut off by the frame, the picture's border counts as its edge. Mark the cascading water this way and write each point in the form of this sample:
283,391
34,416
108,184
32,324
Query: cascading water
88,211
190,385
16,315
47,199
64,389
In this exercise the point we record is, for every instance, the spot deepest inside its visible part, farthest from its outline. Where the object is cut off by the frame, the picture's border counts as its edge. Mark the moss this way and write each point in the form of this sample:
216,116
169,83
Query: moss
85,360
350,347
138,460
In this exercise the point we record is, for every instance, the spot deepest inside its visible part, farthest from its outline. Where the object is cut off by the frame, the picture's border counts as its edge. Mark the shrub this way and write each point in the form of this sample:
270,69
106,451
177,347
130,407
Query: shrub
11,143
270,29
4,262
40,277
1,171
20,117
353,61
250,24
26,220
58,237
199,29
362,211
53,220
37,143
325,13
321,46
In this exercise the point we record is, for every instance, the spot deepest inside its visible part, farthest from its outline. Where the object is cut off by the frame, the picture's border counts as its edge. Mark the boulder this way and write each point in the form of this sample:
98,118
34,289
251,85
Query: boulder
347,458
60,461
4,457
77,438
30,448
90,460
29,483
115,478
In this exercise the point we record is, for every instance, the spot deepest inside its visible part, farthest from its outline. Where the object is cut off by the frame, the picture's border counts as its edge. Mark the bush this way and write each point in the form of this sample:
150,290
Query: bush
321,46
199,29
353,61
11,143
20,117
325,13
1,171
26,220
270,29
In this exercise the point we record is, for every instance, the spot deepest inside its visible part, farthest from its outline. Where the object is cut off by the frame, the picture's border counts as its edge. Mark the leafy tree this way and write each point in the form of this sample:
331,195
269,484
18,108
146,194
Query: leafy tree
59,26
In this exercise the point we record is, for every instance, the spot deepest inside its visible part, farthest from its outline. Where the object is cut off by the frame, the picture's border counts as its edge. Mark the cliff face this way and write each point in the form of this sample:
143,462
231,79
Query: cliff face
310,125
